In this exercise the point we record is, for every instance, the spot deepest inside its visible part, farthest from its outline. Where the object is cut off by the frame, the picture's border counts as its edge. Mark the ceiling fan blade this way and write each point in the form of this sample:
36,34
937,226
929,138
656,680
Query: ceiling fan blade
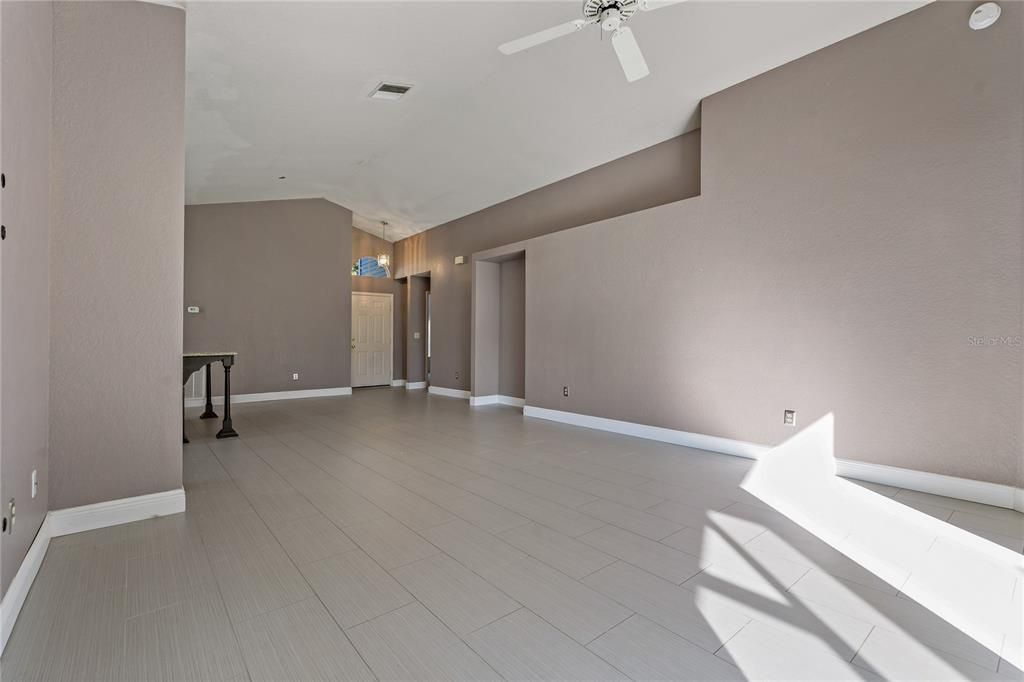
648,5
539,37
632,59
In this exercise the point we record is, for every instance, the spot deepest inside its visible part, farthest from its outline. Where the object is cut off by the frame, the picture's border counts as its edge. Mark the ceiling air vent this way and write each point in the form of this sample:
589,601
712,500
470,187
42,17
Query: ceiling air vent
389,91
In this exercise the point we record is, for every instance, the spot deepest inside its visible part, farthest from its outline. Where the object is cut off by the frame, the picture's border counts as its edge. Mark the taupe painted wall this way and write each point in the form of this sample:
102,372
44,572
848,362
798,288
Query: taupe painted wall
26,60
860,226
274,282
486,327
512,344
365,244
660,174
118,161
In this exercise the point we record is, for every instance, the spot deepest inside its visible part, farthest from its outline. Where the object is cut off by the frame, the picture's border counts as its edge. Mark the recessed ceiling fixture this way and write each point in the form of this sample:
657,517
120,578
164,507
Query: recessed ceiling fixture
611,15
383,259
984,15
389,91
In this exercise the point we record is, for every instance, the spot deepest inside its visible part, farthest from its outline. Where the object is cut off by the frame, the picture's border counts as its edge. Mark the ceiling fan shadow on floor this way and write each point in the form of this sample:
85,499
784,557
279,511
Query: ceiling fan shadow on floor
611,15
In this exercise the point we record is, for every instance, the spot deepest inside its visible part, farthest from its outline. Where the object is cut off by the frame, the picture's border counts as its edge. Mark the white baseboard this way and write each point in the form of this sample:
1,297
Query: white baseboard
700,441
413,385
14,599
477,400
994,494
77,520
983,492
449,392
115,512
398,382
273,395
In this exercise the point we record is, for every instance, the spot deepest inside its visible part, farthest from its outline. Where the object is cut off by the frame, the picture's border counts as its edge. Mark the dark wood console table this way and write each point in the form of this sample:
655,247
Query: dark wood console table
192,362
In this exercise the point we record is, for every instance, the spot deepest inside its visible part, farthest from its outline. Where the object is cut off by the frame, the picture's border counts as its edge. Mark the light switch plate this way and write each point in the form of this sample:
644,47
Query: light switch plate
459,260
415,335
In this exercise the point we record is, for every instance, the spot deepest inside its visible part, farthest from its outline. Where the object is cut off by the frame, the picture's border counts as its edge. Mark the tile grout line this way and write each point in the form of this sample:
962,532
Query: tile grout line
522,606
299,570
220,592
734,635
475,473
427,473
443,624
501,617
627,607
860,646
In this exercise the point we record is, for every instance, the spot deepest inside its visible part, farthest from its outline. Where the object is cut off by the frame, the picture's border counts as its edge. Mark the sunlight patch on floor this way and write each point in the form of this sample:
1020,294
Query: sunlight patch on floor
966,584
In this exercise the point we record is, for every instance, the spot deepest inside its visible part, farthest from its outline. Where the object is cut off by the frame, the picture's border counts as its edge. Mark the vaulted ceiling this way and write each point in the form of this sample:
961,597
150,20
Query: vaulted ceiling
281,89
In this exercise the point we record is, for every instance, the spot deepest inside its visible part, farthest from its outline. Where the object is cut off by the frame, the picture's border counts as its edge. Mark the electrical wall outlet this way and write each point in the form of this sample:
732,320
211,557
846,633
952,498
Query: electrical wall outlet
295,376
456,375
35,483
565,391
789,417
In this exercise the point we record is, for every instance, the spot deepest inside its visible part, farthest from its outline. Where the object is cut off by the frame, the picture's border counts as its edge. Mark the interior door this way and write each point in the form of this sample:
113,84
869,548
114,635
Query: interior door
371,339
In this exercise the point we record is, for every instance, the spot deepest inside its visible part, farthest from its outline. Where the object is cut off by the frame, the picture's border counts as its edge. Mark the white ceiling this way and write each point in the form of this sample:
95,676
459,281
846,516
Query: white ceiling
280,88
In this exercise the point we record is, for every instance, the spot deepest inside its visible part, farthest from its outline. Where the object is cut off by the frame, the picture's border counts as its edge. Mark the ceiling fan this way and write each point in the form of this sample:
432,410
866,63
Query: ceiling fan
611,14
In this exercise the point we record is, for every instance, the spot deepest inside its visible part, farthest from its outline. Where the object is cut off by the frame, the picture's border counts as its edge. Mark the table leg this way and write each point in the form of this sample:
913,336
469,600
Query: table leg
226,430
209,413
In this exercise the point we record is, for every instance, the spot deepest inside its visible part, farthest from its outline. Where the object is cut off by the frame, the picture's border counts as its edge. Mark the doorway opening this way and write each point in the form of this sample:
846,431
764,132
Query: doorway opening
372,339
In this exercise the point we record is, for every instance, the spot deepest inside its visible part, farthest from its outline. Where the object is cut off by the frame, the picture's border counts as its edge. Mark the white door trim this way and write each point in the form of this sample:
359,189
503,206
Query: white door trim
391,379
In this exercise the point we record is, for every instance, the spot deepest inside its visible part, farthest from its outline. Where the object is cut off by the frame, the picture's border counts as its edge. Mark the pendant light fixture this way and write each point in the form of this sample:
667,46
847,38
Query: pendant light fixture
383,259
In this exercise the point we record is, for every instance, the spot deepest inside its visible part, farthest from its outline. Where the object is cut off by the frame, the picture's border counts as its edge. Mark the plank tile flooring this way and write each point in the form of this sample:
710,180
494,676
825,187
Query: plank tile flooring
397,535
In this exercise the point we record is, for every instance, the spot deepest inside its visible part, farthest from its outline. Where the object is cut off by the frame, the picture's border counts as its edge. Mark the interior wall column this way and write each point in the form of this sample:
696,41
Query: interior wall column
416,315
485,340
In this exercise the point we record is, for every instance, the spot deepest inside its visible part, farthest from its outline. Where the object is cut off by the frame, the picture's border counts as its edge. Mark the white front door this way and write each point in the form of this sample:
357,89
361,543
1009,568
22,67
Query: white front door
371,339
